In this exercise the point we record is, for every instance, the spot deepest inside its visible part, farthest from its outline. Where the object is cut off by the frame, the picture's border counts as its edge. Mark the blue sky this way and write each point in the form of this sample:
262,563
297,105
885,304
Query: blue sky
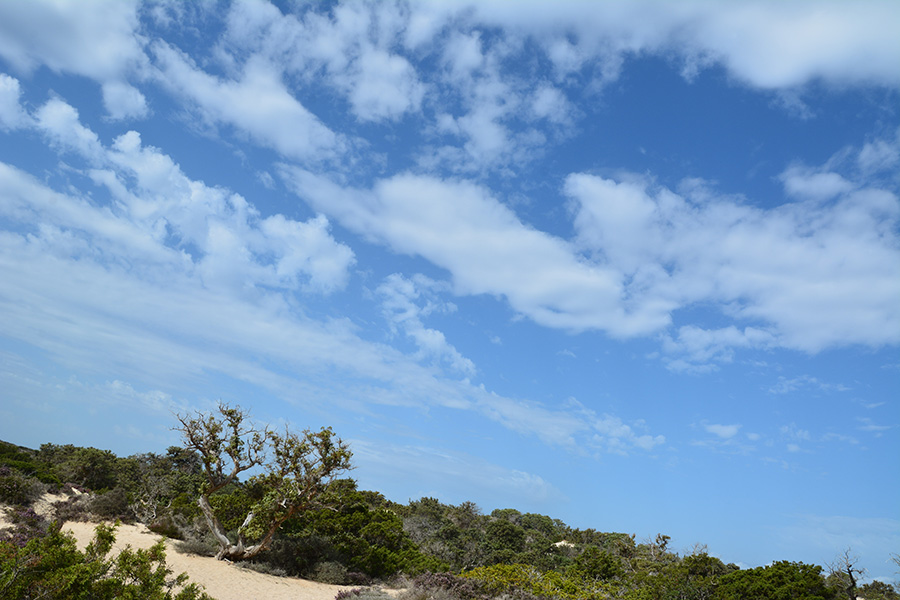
632,265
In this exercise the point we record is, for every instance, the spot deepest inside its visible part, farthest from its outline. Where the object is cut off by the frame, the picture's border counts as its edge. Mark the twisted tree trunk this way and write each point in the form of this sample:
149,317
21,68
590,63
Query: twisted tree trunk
240,550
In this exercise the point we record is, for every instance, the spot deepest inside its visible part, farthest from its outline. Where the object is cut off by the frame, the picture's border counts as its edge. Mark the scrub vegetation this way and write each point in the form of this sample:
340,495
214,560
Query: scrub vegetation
295,516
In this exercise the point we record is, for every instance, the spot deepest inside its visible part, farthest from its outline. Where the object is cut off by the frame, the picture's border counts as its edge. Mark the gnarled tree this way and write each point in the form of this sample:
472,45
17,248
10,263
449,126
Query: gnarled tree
300,469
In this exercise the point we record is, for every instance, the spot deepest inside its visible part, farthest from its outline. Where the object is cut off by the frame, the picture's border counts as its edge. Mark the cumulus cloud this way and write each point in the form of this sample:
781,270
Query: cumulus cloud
98,40
803,276
723,431
95,39
486,248
354,47
156,204
123,101
12,115
765,44
258,105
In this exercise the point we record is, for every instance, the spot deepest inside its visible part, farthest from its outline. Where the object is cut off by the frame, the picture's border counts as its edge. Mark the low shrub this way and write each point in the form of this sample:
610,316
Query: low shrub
366,593
443,586
201,545
18,489
330,572
113,505
27,524
74,508
167,526
264,568
525,581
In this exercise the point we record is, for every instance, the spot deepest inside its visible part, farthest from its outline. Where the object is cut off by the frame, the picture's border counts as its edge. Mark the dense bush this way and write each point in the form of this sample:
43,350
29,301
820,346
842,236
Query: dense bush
26,462
18,489
358,531
782,580
112,506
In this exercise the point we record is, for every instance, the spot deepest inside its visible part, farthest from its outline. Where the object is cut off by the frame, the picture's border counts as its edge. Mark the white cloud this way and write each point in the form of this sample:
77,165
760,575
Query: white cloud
766,44
385,87
94,39
258,105
789,385
400,305
59,122
806,183
123,101
879,155
12,115
800,276
125,287
452,475
794,433
722,431
803,276
868,425
550,103
353,48
98,40
486,248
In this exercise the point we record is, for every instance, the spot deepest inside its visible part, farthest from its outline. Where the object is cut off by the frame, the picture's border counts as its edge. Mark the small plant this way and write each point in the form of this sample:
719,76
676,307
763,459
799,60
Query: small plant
330,572
113,505
166,525
74,508
264,568
366,593
201,546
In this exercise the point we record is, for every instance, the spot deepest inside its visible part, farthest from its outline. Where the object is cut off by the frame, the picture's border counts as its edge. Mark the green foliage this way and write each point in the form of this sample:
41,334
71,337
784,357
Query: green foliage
359,531
694,577
300,468
18,489
878,590
26,462
511,579
51,566
595,564
231,507
86,467
782,580
113,505
327,529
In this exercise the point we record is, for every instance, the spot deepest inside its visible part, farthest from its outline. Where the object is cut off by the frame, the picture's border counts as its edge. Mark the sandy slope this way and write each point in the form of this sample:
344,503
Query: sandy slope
222,580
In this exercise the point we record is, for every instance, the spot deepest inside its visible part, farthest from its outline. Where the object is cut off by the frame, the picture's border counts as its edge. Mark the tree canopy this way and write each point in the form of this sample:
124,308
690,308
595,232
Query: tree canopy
296,469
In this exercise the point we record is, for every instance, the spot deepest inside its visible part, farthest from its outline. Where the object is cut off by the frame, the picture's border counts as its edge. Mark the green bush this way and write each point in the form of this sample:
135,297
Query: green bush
517,579
330,572
782,580
25,461
17,489
112,506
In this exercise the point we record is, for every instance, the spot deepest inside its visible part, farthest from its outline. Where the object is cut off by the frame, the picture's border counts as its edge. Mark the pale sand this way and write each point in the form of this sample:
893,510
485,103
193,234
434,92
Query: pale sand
222,580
